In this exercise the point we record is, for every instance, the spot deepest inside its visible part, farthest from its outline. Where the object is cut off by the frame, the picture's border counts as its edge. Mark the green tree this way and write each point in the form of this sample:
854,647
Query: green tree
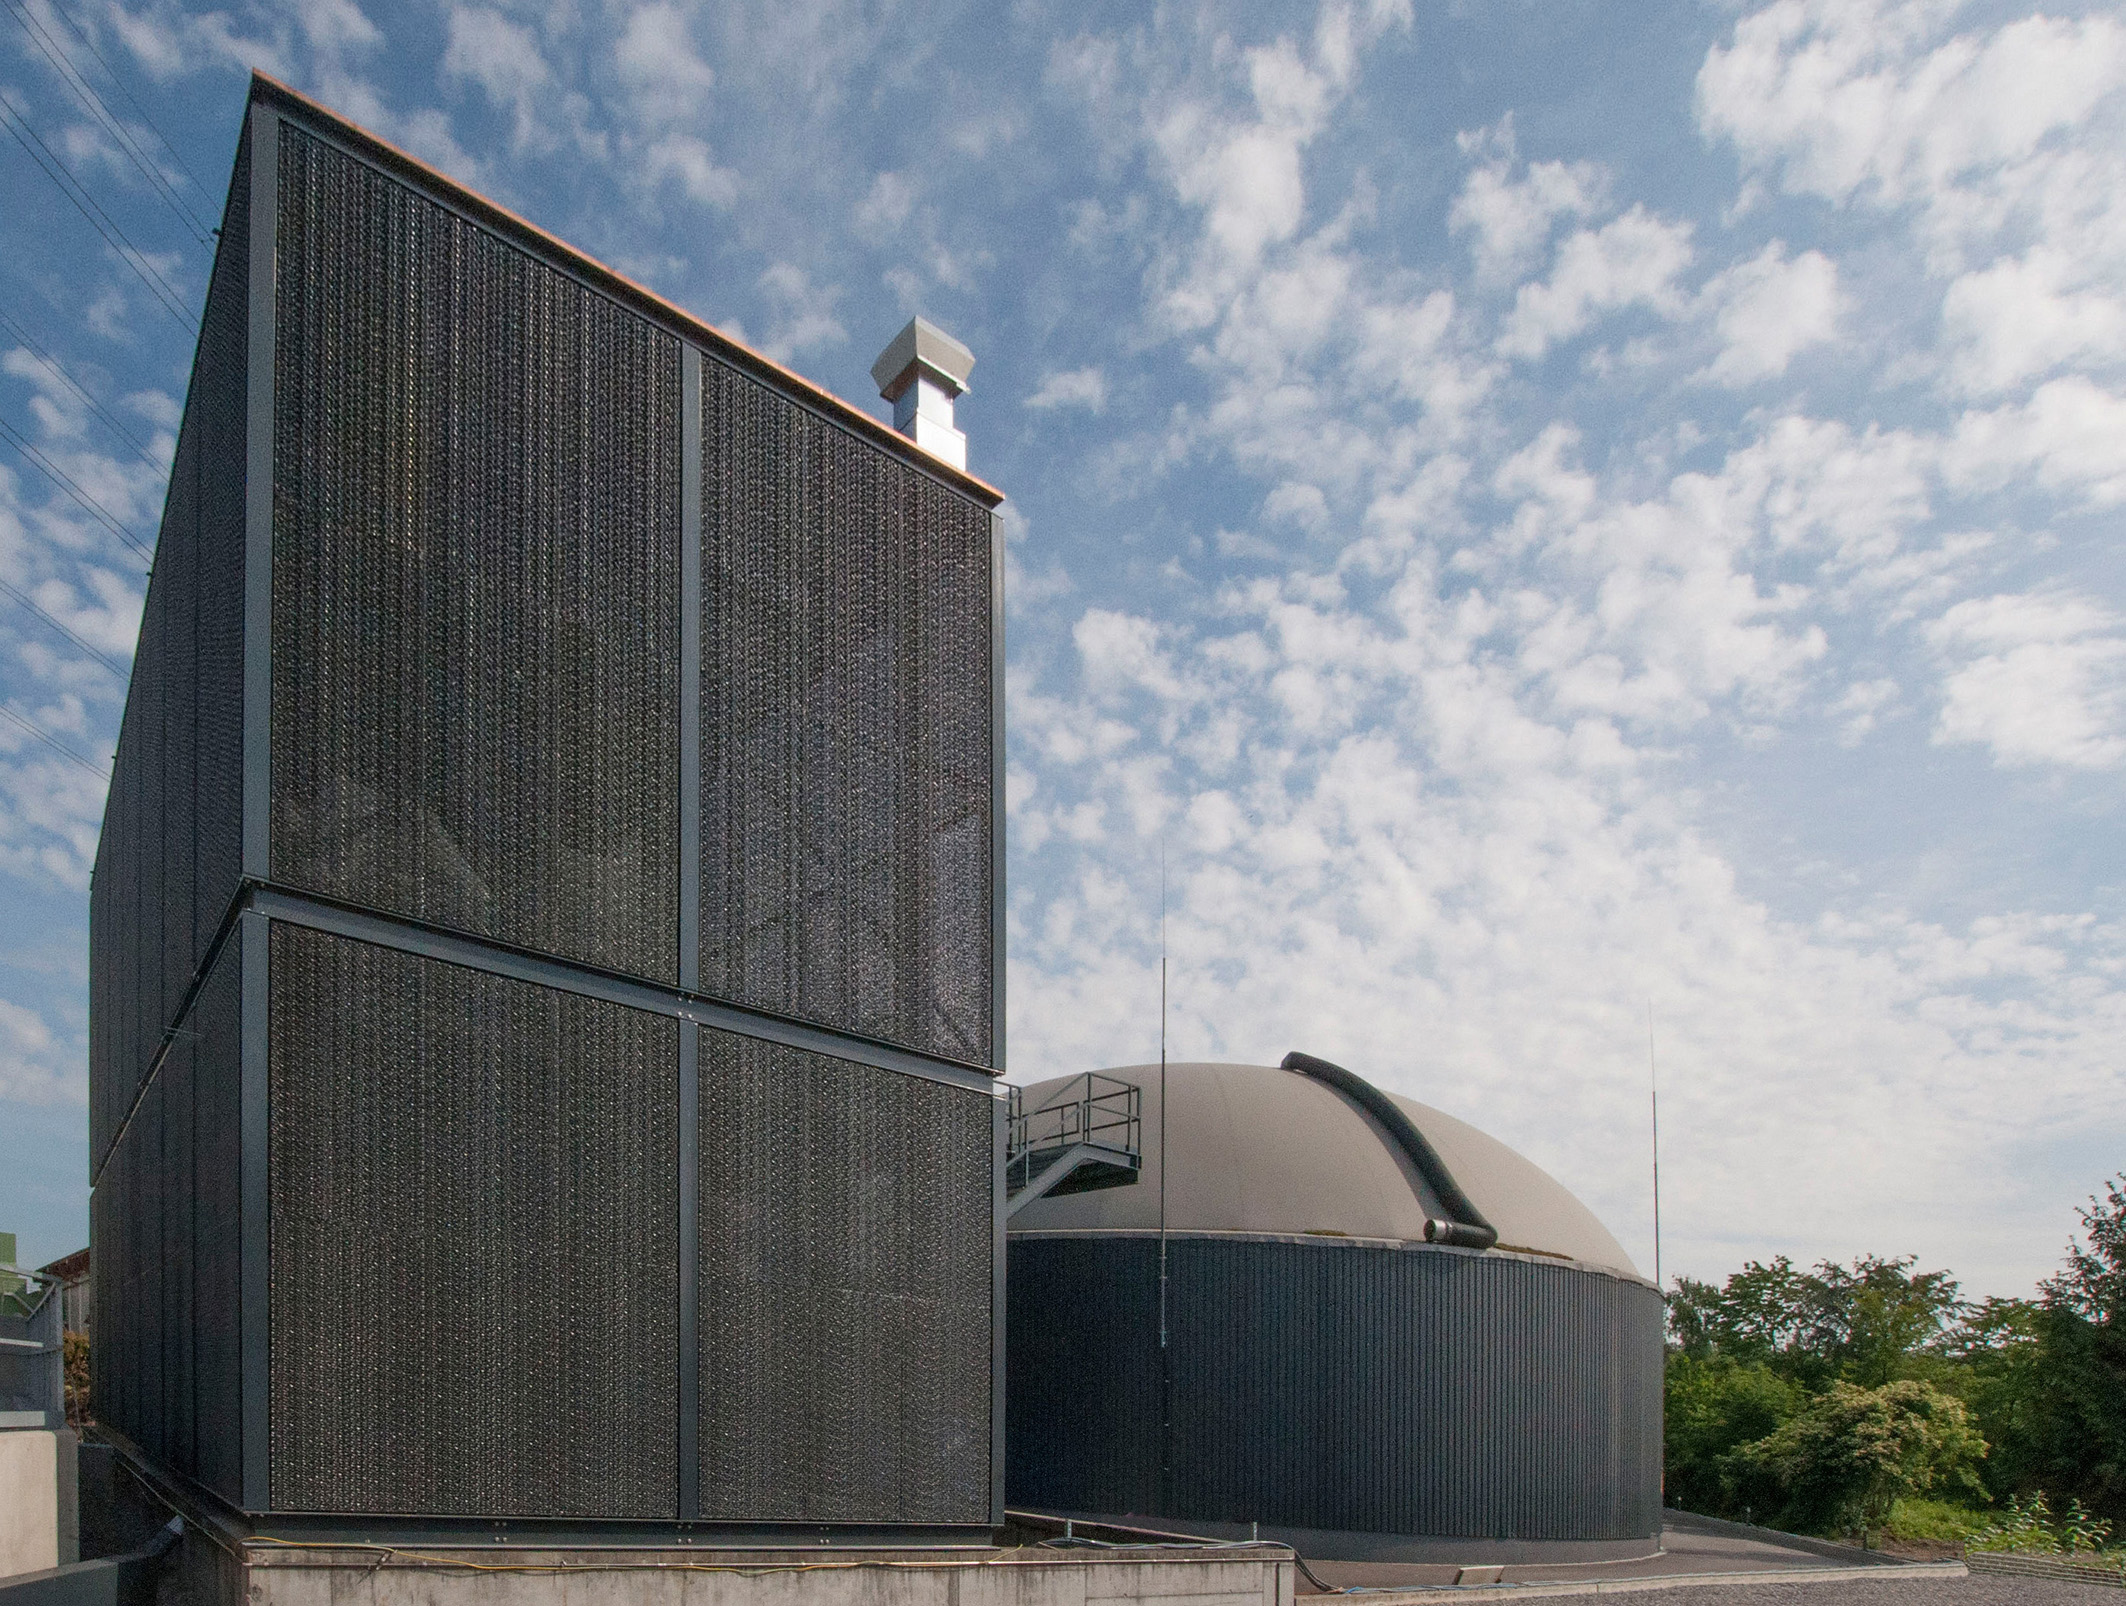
2074,1393
1842,1462
1715,1405
1868,1323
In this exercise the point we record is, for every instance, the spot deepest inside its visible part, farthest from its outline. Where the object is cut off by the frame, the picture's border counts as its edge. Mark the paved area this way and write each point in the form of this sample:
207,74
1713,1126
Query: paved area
1888,1590
1688,1545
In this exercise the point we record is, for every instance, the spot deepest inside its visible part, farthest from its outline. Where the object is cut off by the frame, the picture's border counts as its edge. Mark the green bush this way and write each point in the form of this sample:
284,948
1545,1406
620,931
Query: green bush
2029,1528
1843,1461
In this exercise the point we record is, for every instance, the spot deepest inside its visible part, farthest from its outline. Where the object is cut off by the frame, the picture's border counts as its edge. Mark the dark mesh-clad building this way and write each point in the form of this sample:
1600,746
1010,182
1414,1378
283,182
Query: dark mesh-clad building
1387,1335
546,961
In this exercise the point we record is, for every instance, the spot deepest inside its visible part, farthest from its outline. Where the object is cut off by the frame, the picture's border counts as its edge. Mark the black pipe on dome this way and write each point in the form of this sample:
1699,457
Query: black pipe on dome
1466,1227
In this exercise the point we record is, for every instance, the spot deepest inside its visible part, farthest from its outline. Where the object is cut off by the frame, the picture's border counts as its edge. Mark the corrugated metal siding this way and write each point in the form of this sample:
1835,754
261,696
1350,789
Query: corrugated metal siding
1336,1386
476,579
163,1221
474,1241
845,796
166,864
846,1232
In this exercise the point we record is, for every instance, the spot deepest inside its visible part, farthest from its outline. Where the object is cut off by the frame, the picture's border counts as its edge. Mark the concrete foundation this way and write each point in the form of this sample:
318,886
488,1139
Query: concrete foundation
29,1500
209,1571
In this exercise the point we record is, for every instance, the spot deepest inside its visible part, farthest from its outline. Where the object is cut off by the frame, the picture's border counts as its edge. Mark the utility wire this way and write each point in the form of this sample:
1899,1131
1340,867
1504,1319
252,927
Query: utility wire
109,418
23,597
59,477
85,92
54,743
73,189
134,101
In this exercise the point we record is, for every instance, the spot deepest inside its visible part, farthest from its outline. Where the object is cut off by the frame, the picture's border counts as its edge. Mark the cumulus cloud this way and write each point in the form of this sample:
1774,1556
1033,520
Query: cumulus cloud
2004,143
688,162
1080,387
1509,216
2039,679
2069,437
35,1067
1632,261
1769,309
664,73
803,313
503,59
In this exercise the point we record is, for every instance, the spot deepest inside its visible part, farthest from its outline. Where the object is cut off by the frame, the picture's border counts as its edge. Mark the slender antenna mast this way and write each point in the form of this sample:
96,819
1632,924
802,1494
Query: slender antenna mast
1653,1086
1166,1368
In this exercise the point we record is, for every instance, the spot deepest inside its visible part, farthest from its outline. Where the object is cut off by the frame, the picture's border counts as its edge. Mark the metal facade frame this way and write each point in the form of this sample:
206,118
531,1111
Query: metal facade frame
259,901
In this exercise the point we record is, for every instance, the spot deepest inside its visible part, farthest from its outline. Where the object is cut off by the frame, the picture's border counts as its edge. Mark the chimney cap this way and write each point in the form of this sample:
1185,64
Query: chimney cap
923,348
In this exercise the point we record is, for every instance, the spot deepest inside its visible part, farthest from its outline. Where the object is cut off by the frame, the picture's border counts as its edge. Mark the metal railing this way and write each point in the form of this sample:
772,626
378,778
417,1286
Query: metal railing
32,1354
1089,1109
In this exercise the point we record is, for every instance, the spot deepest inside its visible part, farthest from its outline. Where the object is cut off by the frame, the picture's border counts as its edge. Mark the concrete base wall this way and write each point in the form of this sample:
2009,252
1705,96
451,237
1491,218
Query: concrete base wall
29,1500
212,1574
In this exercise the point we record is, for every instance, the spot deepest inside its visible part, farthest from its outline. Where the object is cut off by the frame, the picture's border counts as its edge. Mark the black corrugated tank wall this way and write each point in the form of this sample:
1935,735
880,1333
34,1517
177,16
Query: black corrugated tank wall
1334,1386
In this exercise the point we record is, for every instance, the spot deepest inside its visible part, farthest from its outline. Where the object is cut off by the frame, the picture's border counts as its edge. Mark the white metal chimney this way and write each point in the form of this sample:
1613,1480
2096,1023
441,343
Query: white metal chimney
921,370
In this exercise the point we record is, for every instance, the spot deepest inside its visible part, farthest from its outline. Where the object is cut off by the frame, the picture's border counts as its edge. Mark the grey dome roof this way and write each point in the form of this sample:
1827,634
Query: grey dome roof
1256,1149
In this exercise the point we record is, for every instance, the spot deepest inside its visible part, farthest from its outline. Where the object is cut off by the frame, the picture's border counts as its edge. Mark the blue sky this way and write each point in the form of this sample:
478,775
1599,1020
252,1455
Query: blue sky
1538,510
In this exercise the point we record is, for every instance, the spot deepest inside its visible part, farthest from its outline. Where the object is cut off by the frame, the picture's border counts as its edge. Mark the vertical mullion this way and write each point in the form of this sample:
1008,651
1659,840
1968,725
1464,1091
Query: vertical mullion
689,932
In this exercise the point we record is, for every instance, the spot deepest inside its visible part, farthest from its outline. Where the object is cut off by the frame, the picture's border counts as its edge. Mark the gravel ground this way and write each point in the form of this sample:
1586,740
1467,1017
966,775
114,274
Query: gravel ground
1987,1591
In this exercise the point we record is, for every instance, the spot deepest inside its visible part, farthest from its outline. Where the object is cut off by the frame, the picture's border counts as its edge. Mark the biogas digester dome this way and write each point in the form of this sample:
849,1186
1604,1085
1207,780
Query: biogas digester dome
1329,1373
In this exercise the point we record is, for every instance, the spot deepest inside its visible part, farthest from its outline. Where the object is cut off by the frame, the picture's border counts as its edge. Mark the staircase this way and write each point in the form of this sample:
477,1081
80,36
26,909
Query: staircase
1086,1134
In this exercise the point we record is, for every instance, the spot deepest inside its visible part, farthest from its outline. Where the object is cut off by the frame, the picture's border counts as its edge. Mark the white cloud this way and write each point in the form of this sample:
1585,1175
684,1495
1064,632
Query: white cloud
504,59
803,313
2025,316
686,160
2005,144
2070,438
34,1066
1510,219
1862,707
885,206
1632,261
1080,387
1842,97
1769,309
2040,679
659,64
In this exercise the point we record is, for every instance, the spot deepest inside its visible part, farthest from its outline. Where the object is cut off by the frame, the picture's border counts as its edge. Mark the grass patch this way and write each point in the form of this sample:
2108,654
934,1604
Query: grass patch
1934,1519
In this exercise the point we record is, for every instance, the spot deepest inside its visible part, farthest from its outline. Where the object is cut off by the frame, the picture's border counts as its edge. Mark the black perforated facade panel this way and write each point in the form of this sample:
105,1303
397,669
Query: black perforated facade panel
846,1221
165,1225
499,748
846,730
166,865
475,579
474,1261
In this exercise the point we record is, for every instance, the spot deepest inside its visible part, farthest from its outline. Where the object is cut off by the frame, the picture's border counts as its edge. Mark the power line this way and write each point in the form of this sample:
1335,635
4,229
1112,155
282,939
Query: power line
22,597
134,101
85,92
54,743
88,504
109,418
84,203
